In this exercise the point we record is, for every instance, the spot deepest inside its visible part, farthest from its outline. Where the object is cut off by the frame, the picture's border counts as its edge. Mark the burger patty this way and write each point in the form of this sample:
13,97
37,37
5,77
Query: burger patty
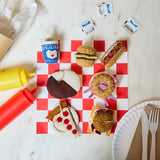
84,53
85,58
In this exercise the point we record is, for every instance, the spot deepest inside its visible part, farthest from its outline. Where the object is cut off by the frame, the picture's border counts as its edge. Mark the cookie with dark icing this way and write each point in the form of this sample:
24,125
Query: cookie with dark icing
63,84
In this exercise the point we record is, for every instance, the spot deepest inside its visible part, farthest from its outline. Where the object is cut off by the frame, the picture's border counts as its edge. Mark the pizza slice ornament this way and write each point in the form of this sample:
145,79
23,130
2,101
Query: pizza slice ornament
65,120
62,116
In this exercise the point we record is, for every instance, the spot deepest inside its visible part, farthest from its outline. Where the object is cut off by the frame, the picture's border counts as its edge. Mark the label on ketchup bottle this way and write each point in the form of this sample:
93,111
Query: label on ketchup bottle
15,106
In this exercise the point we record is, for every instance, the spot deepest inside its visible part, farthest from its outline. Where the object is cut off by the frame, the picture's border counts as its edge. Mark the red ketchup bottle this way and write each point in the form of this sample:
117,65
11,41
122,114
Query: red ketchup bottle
15,106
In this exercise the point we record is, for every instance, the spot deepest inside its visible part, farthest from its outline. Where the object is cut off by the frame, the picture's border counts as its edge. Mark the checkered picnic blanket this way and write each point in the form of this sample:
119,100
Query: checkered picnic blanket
82,104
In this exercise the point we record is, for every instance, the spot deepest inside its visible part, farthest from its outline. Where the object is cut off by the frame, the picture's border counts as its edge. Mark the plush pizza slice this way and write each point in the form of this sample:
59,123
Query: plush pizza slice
66,121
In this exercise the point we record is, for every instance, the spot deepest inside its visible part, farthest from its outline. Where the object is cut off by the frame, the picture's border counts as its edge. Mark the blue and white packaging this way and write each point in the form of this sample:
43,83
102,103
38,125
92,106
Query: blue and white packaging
50,51
105,9
88,27
131,25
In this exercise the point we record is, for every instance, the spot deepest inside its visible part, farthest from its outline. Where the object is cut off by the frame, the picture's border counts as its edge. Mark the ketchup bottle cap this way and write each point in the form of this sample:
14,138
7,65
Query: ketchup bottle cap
29,94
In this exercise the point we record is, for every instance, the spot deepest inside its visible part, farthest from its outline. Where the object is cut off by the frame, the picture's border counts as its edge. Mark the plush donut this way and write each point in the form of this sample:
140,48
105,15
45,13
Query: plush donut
102,85
102,121
63,84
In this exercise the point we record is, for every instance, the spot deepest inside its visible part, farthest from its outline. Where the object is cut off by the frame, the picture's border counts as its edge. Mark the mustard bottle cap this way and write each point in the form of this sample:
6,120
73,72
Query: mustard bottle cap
31,74
24,76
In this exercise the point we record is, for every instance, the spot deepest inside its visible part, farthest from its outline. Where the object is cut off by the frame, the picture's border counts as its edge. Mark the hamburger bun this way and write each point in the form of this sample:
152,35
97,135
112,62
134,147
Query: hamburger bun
85,56
102,120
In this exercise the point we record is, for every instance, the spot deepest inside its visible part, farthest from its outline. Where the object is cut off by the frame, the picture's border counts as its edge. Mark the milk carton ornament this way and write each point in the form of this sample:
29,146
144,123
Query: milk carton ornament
105,9
88,27
131,25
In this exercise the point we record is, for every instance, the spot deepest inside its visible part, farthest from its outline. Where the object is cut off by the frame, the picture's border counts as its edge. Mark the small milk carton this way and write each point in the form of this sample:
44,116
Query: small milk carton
105,9
131,25
88,27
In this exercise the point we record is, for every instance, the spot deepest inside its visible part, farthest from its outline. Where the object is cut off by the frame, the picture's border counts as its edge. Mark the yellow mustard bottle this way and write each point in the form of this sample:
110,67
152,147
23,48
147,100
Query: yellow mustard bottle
13,78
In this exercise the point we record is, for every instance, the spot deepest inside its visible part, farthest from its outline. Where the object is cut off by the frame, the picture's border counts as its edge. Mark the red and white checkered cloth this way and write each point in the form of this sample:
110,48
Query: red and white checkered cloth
45,103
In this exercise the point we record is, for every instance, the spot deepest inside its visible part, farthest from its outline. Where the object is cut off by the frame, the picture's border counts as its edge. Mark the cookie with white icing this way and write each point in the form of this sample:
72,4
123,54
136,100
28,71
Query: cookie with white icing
63,84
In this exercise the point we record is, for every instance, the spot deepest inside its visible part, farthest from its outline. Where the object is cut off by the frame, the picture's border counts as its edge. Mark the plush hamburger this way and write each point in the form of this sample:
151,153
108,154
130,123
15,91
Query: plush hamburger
102,121
85,56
